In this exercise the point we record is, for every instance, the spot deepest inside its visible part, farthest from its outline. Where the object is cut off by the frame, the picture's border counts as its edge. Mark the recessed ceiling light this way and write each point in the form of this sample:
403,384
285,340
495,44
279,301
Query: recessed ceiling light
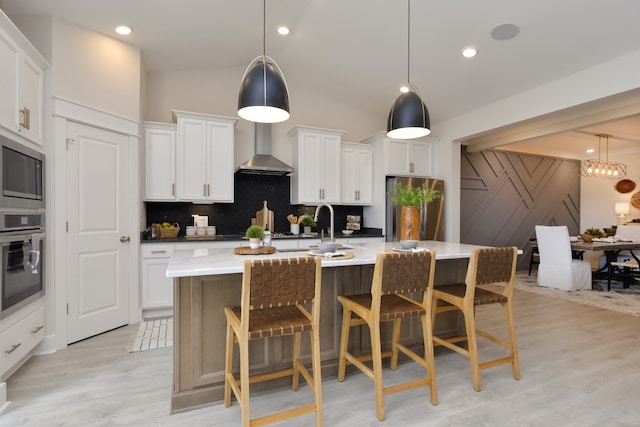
123,29
469,52
283,31
590,150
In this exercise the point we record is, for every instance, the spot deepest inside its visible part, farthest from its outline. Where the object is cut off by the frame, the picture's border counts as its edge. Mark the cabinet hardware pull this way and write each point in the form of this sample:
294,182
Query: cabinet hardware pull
208,190
173,189
37,329
26,118
13,348
125,239
205,190
411,167
158,252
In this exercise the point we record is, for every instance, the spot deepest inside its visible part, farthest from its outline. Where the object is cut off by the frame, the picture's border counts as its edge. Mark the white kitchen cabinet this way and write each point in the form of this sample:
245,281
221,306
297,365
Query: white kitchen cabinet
21,83
357,174
402,157
19,335
316,160
157,288
408,158
205,160
159,161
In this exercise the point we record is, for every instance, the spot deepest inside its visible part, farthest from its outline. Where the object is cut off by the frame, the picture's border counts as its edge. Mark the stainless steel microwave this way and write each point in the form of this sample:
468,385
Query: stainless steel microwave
22,176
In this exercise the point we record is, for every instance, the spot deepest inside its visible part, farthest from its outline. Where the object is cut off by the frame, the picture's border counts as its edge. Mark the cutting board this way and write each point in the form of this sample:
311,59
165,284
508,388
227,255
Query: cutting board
263,216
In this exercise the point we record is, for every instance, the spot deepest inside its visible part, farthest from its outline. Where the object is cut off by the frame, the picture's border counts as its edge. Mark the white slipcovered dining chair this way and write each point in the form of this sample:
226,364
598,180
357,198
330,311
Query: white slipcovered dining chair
557,268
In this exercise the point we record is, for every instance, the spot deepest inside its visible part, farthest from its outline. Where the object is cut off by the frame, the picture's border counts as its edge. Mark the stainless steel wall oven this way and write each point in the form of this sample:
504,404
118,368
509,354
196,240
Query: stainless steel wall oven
22,269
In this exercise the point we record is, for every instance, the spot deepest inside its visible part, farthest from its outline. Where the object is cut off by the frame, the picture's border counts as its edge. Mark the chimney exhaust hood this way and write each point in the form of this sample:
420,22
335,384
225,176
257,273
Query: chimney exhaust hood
262,162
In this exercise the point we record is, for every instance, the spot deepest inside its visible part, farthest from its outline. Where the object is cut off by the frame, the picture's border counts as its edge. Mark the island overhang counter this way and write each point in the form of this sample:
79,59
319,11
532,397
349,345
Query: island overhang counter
208,279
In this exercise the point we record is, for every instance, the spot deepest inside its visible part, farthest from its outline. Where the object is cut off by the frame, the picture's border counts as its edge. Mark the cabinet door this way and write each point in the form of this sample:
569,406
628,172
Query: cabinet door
408,158
421,159
397,156
220,137
192,159
349,193
31,78
8,82
157,289
357,176
330,168
310,168
319,168
159,164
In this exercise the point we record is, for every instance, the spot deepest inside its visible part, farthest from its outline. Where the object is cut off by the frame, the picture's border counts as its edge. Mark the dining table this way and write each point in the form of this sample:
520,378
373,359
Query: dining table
611,249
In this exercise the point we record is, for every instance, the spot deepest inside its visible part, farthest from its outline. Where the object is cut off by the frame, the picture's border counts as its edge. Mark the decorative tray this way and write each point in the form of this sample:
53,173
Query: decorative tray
332,255
246,250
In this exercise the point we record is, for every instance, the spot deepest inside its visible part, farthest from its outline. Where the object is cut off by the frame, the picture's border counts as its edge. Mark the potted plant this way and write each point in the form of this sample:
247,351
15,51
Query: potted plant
307,223
411,199
591,233
255,233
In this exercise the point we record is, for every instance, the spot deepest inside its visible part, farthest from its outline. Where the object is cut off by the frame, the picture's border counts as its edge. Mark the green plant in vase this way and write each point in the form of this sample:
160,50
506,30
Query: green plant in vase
411,199
307,223
255,233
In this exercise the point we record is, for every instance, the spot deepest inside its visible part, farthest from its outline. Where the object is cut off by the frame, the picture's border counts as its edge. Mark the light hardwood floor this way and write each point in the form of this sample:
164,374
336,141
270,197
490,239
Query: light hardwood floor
580,367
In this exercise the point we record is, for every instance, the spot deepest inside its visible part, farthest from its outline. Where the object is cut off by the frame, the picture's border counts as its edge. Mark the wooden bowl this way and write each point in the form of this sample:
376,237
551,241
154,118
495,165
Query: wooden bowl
587,238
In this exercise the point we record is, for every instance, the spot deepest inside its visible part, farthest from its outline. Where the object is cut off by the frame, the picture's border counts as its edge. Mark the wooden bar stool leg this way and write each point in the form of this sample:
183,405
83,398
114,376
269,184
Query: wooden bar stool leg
228,367
376,353
397,323
243,345
344,342
472,346
511,334
317,374
296,359
427,337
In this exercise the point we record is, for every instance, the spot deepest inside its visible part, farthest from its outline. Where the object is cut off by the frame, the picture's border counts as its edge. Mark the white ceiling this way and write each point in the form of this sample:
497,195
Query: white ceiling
356,50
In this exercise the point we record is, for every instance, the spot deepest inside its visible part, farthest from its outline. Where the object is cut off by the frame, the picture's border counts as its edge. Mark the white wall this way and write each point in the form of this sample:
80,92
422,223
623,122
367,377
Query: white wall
598,196
215,91
96,71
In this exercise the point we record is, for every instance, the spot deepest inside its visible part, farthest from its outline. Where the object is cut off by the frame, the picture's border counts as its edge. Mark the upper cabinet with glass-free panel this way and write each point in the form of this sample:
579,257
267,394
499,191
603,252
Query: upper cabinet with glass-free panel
159,161
205,157
406,157
316,160
21,83
357,174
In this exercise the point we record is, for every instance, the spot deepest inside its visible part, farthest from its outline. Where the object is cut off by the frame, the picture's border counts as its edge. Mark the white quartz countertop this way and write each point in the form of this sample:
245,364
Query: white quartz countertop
213,261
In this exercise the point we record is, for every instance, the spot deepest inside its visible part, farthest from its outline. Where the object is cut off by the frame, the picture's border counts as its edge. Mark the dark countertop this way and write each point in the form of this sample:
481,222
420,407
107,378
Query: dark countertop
277,236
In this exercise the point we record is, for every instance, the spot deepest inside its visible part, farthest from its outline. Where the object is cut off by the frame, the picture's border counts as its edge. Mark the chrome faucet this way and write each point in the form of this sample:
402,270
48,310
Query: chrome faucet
315,217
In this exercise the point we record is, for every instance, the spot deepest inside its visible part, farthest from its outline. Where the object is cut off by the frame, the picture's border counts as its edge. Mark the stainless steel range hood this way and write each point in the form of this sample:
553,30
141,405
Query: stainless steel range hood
262,162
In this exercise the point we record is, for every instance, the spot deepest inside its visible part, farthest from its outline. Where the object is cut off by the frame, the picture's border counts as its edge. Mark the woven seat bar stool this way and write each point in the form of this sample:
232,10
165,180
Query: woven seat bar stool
273,294
486,266
395,274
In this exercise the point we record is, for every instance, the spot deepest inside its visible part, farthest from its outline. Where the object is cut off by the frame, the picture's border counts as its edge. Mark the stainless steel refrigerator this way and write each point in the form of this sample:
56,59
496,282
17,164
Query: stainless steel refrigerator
431,214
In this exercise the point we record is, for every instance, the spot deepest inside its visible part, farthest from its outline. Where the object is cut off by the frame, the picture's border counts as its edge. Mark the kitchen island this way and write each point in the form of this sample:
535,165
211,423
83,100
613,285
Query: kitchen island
208,279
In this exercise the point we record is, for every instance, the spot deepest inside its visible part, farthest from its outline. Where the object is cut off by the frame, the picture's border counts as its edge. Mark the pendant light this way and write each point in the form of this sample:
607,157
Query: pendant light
409,117
264,96
603,169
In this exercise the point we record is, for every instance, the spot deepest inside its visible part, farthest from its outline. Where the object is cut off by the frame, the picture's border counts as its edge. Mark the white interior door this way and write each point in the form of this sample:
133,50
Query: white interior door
98,230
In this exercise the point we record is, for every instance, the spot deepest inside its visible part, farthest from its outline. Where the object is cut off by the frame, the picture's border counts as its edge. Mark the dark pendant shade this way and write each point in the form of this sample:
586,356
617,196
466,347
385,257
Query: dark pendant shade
408,118
263,96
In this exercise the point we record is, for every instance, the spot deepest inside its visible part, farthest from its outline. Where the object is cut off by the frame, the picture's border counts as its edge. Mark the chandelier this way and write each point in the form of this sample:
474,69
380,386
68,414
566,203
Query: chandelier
603,169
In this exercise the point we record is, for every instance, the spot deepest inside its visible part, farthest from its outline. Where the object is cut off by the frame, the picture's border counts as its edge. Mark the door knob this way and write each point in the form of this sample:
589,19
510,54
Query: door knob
124,239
